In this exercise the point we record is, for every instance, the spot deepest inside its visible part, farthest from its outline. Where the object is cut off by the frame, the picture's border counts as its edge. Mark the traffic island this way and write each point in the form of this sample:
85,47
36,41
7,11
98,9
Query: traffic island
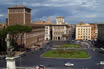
69,54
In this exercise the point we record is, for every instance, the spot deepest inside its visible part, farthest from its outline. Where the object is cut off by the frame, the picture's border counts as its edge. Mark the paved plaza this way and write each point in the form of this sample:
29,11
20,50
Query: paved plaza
31,59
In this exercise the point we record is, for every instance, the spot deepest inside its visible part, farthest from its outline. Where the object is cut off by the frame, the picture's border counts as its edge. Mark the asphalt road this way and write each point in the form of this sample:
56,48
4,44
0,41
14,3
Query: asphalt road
33,58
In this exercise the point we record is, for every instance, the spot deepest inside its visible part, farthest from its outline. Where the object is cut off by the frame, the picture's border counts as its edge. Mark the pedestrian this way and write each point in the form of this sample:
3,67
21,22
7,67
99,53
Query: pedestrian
37,67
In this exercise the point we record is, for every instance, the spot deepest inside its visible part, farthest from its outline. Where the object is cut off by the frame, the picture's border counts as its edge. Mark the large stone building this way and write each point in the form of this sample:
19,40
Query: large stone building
59,30
36,37
22,15
100,31
85,31
100,36
42,22
19,15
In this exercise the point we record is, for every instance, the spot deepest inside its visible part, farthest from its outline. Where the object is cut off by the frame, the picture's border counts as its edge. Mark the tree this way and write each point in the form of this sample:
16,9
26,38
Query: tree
17,30
3,33
14,31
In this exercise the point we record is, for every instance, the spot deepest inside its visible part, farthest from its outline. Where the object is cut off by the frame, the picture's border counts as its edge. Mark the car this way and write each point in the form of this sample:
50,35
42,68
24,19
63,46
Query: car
69,64
41,48
101,62
3,57
22,55
48,43
102,49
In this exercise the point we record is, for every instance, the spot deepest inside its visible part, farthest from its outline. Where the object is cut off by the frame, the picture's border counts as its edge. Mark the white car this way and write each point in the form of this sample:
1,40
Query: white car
102,49
101,62
69,64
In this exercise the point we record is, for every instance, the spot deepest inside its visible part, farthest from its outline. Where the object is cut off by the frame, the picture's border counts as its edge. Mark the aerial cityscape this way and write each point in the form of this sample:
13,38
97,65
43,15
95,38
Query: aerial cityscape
48,38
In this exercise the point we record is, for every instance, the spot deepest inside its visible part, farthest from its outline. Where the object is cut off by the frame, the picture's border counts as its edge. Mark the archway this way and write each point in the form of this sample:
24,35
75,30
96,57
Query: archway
58,38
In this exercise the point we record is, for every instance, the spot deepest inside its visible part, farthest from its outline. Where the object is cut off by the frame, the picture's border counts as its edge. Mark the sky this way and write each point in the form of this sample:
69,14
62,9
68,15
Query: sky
73,11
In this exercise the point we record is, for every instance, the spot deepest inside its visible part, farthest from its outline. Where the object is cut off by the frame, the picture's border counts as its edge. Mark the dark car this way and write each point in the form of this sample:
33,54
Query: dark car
3,57
41,48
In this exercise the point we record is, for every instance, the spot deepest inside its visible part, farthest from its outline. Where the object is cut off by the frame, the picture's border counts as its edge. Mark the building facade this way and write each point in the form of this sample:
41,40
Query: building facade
19,15
42,22
100,36
93,32
83,31
22,15
100,31
96,32
58,30
35,37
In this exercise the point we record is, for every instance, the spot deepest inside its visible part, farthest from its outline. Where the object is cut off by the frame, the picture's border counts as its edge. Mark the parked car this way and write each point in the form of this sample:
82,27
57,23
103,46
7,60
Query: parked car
37,45
41,48
3,57
28,50
69,64
48,43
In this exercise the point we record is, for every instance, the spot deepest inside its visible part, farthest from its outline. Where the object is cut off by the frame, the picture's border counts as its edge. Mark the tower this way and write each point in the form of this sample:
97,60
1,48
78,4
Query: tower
19,15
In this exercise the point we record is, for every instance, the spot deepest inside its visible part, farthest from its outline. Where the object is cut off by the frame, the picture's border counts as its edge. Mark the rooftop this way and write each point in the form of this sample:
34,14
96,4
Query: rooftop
42,22
18,7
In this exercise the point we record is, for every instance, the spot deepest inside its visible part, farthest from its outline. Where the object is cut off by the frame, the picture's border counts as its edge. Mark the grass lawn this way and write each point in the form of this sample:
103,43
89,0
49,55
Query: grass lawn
69,46
66,54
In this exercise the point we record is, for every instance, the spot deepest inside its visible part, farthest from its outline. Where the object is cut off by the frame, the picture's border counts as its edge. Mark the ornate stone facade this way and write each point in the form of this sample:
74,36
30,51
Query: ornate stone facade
58,31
